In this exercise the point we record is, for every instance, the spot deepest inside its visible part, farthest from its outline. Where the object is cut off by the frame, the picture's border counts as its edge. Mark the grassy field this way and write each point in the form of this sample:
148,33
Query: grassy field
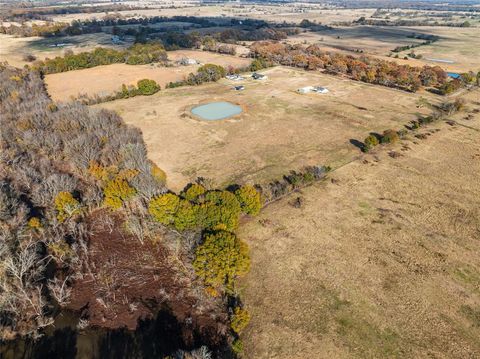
380,262
459,45
104,80
13,49
293,13
374,40
279,129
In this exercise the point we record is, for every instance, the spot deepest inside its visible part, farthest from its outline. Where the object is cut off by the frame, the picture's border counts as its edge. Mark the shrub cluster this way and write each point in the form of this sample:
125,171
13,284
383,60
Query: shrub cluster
372,140
145,87
205,73
220,259
293,181
198,209
391,136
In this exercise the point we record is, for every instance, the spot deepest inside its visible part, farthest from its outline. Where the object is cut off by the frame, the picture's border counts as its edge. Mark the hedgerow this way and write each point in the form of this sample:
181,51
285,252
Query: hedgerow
135,55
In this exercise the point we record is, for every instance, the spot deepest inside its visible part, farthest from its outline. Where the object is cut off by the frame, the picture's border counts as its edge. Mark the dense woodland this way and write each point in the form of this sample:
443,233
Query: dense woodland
67,169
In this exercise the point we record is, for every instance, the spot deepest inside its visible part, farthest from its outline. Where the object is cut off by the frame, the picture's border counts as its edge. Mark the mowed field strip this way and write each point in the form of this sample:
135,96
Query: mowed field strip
279,129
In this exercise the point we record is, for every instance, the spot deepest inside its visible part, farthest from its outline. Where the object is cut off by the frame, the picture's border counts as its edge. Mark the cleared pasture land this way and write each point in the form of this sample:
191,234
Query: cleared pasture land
205,57
457,44
104,80
293,13
380,262
375,40
13,49
460,45
279,130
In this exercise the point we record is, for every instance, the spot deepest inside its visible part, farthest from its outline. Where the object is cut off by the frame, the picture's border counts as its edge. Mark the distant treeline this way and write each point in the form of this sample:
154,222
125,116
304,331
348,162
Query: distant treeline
40,13
363,68
425,5
135,55
245,30
430,39
176,40
376,22
94,25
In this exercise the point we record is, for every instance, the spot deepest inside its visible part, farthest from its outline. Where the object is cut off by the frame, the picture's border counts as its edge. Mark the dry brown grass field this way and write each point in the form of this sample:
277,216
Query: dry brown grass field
279,129
459,45
380,261
293,13
13,49
104,80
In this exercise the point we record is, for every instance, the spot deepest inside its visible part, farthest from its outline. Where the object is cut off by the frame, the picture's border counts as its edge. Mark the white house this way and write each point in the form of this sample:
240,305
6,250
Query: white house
234,77
186,61
308,89
319,89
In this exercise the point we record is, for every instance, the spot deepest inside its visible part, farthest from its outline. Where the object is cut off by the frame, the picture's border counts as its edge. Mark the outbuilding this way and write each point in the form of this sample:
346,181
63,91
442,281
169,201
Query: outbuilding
308,89
186,61
257,76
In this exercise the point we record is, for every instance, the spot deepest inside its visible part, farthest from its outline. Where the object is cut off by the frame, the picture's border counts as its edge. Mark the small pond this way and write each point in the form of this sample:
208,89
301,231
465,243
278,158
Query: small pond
216,111
453,75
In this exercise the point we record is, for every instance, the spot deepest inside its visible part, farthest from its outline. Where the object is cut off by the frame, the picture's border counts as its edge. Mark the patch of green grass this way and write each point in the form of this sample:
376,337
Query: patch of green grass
472,314
365,208
469,276
366,338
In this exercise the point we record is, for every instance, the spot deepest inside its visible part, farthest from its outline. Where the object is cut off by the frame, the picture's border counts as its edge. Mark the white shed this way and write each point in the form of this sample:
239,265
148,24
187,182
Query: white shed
306,89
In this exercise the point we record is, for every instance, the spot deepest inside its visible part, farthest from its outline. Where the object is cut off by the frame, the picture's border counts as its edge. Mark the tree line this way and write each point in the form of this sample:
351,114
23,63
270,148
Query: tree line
77,27
19,14
362,68
440,112
136,54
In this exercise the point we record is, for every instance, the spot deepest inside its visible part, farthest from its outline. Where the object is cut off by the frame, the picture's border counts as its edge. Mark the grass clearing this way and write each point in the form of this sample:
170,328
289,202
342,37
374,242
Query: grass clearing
379,283
13,49
279,129
104,80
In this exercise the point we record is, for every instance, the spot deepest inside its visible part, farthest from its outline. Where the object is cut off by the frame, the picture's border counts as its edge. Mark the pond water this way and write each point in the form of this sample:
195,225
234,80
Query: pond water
216,111
453,75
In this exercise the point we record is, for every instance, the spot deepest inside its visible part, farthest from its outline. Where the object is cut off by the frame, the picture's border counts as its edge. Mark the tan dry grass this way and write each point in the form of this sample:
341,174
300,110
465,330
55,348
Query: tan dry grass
380,262
457,44
104,80
279,130
13,49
